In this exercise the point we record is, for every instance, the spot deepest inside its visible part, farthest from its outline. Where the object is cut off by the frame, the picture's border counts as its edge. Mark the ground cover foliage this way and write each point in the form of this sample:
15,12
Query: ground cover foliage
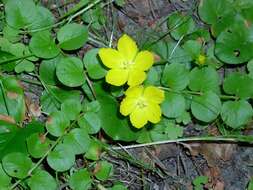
202,64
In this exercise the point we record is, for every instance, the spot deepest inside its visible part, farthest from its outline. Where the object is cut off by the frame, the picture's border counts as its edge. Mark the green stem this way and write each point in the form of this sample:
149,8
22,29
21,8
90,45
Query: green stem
76,8
189,92
15,59
90,86
39,162
229,138
58,140
81,11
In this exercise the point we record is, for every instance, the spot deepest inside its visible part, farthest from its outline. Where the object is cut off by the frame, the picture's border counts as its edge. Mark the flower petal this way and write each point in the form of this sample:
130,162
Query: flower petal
138,119
127,106
134,92
117,77
136,77
153,112
144,60
154,94
127,47
111,58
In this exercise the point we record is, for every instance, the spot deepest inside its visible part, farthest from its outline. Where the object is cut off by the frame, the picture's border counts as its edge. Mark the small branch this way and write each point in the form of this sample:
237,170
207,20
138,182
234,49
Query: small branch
196,93
39,162
233,139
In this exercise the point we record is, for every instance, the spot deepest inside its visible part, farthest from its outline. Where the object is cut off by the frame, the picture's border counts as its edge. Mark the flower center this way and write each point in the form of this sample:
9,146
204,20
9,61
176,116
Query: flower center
127,64
141,103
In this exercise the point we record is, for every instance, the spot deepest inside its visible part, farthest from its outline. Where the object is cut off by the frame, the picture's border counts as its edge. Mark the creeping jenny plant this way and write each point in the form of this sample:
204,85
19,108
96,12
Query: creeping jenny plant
41,48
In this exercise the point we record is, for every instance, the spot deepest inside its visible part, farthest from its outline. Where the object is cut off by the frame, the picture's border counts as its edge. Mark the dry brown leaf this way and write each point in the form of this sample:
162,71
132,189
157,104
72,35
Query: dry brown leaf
212,152
219,185
35,110
12,95
157,57
7,118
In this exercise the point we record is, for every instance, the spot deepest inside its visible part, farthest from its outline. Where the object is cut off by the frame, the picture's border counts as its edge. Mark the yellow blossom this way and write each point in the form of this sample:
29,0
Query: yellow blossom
126,63
201,59
142,104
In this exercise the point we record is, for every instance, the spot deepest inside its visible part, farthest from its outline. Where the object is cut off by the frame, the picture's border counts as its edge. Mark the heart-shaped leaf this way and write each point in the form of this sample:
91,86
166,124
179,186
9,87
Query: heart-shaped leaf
206,107
180,25
70,71
42,180
175,76
174,105
42,45
239,84
57,123
93,65
235,45
72,36
80,180
20,13
61,158
204,79
17,164
236,113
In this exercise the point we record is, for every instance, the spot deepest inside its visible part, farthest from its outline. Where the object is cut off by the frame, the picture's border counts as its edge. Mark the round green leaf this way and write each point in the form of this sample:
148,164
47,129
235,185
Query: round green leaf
193,47
61,158
175,76
14,99
5,180
24,65
70,71
42,180
80,180
71,108
211,11
153,77
239,84
250,66
72,36
93,106
57,123
94,150
174,105
37,145
42,45
17,164
11,34
93,65
171,52
44,18
204,79
90,122
103,170
235,45
236,113
47,70
206,107
180,25
51,101
118,187
20,13
78,140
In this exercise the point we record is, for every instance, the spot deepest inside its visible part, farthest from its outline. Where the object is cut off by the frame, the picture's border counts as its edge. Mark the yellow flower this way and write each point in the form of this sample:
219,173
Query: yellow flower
201,59
126,63
142,104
